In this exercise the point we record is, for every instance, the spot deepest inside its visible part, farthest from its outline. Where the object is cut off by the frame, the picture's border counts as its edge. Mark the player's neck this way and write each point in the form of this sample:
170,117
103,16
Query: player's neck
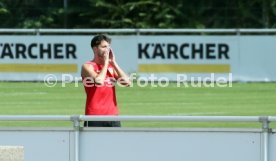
98,60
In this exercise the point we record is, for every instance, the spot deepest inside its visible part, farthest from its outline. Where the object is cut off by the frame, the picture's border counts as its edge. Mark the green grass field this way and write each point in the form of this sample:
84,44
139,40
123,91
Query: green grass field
242,99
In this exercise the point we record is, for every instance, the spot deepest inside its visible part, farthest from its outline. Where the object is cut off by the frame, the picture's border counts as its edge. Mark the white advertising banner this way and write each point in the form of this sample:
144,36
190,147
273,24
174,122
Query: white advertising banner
35,58
187,57
257,58
174,57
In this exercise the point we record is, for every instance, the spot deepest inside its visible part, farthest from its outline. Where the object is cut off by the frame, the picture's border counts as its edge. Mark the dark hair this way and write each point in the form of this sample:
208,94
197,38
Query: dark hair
98,39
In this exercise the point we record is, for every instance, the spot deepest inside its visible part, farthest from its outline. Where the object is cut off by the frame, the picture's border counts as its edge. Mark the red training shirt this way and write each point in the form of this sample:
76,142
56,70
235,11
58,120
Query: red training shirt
101,99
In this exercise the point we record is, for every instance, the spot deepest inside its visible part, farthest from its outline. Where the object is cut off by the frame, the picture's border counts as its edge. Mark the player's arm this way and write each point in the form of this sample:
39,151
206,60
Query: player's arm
88,72
120,75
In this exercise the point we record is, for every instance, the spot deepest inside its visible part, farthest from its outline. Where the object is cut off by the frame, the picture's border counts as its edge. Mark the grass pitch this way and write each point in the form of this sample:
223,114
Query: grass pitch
242,99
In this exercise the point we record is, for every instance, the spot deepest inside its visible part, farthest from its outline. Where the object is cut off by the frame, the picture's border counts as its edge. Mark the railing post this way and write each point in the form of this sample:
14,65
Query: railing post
137,32
37,32
266,130
76,125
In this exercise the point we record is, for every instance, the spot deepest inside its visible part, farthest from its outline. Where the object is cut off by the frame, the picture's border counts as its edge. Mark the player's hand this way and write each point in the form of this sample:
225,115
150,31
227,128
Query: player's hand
106,55
111,56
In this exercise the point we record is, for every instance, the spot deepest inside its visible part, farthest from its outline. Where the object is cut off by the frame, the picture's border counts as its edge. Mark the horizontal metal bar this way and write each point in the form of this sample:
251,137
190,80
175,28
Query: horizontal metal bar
188,30
172,118
208,30
18,30
136,118
272,118
34,118
257,30
130,30
87,30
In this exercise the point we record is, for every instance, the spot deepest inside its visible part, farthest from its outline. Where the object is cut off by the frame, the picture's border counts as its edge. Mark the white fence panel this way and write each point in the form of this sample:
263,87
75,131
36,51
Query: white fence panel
39,145
272,146
138,144
169,145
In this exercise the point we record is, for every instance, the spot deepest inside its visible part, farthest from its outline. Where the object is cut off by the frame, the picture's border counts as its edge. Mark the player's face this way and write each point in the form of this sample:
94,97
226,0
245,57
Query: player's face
103,47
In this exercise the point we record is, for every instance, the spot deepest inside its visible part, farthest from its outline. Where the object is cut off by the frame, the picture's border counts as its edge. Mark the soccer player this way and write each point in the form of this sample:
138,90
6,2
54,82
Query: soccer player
99,76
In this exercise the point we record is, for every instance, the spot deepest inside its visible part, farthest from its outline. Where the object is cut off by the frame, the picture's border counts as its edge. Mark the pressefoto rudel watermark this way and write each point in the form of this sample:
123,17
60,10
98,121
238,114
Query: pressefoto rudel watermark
181,80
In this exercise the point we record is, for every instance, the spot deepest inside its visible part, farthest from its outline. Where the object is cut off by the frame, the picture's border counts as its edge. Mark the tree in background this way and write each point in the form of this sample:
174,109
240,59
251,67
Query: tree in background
137,14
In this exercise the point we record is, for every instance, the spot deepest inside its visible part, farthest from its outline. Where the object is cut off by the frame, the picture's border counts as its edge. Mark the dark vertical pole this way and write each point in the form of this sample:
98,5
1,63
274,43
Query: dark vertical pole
65,6
265,14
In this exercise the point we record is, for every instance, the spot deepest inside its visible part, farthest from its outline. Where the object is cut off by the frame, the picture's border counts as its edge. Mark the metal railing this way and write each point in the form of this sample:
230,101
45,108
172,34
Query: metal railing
138,118
77,119
135,31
